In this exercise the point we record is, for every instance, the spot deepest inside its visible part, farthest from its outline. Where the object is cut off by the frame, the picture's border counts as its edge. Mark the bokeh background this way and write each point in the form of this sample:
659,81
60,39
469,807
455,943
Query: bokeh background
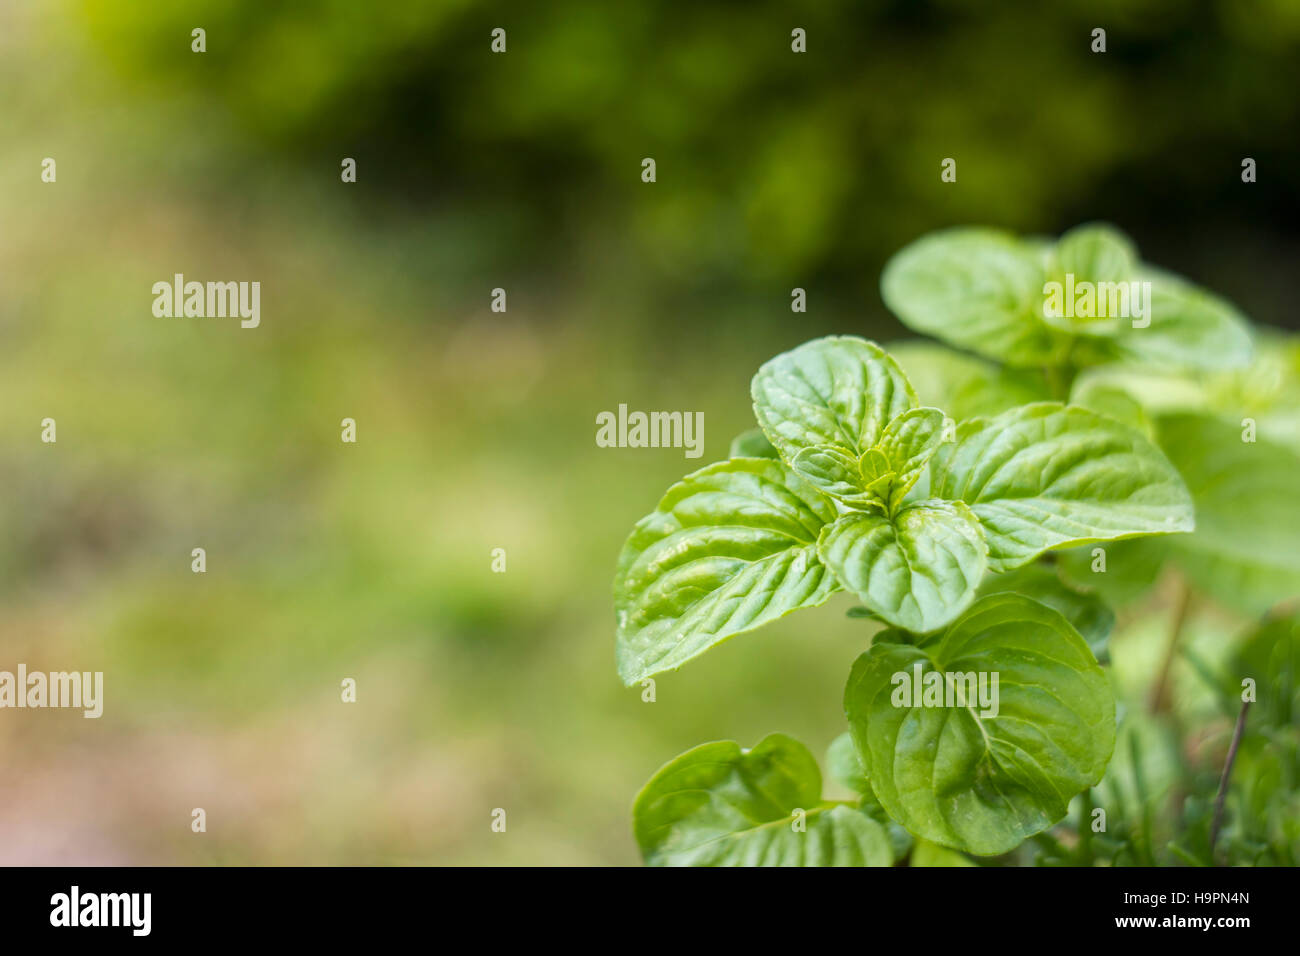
476,429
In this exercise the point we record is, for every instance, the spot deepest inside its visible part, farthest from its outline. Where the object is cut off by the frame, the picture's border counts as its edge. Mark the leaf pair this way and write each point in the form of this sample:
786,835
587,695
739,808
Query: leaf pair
880,477
841,413
1084,300
956,773
866,495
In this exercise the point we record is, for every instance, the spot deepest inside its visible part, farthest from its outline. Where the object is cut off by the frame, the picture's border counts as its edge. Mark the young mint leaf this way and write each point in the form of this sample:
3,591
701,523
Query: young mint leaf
719,805
877,477
917,570
834,472
751,444
1048,475
964,776
729,548
978,289
836,391
907,445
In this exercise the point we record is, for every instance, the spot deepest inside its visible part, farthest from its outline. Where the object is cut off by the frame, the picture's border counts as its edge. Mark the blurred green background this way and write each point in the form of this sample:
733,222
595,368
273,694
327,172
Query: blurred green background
476,429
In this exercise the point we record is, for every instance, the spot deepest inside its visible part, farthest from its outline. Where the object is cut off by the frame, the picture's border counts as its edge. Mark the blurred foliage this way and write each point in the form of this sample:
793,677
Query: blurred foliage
773,167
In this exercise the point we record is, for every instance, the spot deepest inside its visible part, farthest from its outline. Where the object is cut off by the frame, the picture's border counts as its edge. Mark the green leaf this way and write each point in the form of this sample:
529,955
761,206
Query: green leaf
1190,328
1244,550
965,778
926,853
719,805
837,391
917,571
751,444
1131,568
863,614
978,289
844,766
987,291
728,549
1271,656
842,760
1049,476
908,444
1096,253
1086,255
1113,402
876,476
1156,392
834,472
1267,391
963,385
1087,613
884,474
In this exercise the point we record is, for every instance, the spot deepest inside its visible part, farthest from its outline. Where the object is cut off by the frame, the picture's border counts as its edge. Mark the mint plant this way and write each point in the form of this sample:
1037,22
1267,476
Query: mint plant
942,517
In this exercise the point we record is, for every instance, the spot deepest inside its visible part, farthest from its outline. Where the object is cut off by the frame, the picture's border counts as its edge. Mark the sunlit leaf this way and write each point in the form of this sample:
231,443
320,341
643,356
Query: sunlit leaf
975,777
917,570
1047,476
728,549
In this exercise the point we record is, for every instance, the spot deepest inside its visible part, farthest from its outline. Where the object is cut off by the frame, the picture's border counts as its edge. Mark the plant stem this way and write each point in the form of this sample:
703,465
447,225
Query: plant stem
1085,828
1144,803
1053,846
1058,381
1059,372
1227,772
1160,693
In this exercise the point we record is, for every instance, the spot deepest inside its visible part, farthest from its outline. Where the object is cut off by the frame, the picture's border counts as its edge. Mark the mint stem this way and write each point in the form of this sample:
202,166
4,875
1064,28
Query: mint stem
1160,693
